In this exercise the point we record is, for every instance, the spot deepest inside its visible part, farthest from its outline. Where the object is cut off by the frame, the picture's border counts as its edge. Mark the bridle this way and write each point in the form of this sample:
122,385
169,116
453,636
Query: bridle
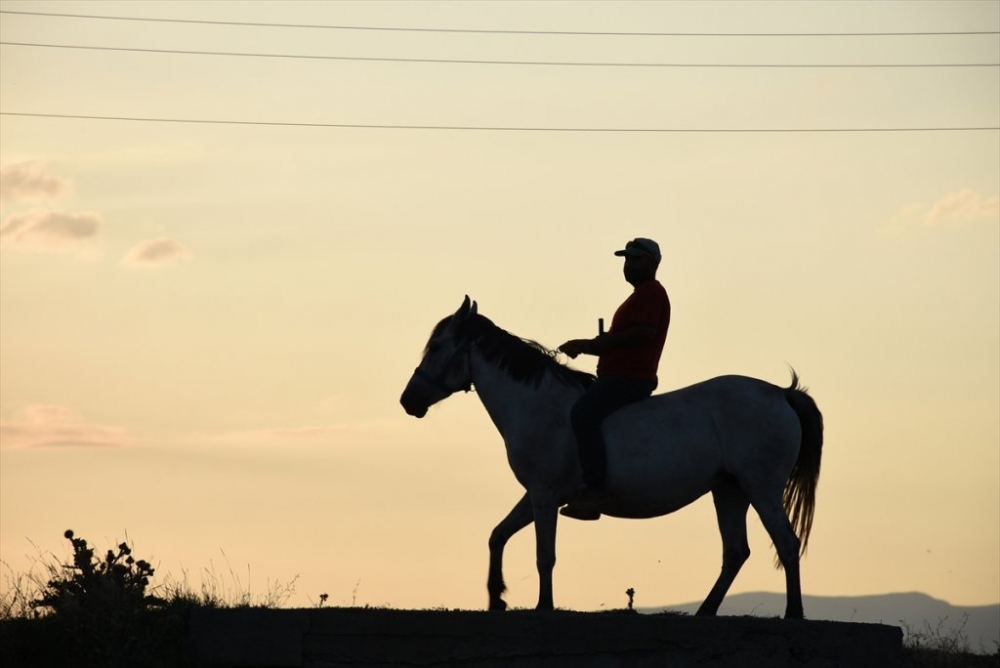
437,380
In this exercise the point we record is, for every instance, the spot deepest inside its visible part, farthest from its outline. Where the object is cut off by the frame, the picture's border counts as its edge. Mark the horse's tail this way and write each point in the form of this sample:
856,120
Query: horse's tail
800,491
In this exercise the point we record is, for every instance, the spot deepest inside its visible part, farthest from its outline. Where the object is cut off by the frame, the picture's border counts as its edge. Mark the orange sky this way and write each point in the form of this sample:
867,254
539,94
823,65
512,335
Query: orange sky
205,329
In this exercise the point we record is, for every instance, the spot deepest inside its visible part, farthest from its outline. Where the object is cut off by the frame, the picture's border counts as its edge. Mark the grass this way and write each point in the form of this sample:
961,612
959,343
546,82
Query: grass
939,646
103,612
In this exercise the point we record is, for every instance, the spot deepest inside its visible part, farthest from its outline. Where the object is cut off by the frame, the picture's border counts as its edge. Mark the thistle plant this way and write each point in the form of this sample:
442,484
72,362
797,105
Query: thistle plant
118,581
100,614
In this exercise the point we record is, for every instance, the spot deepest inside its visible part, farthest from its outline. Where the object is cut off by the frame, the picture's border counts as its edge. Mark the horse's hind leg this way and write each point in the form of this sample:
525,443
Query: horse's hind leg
518,518
786,543
731,505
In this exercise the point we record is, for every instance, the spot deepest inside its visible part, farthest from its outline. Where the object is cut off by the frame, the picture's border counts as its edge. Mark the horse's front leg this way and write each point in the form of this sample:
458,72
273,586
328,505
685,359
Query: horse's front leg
546,512
519,517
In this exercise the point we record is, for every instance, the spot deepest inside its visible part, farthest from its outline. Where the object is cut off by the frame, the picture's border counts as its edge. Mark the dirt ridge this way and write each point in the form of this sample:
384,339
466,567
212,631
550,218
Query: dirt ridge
238,638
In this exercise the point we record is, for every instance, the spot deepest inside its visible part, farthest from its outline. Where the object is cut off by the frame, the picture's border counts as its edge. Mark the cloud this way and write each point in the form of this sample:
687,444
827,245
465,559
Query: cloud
28,181
47,426
157,252
49,230
962,207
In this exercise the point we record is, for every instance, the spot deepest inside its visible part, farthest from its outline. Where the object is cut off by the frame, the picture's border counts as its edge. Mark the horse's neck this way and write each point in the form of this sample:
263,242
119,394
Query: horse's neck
510,403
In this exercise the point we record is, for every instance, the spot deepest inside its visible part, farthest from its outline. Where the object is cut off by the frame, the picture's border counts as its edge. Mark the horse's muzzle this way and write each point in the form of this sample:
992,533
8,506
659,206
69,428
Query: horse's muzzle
412,408
416,412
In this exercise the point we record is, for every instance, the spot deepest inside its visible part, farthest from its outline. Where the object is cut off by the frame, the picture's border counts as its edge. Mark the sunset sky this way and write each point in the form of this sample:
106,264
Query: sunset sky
205,328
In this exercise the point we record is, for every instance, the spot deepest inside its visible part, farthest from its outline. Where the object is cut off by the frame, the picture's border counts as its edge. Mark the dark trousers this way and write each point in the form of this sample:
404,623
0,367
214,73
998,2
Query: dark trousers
604,397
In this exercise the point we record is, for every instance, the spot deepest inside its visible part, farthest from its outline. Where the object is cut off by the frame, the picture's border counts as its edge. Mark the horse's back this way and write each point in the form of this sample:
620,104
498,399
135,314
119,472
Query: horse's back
731,386
710,399
673,447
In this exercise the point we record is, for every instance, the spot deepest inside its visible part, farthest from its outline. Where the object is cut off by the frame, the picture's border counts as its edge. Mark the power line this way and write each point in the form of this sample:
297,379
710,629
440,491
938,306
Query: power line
481,128
384,59
510,32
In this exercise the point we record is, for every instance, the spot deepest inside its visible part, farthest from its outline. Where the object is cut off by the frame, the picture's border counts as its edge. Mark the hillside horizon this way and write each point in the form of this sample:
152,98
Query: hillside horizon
916,612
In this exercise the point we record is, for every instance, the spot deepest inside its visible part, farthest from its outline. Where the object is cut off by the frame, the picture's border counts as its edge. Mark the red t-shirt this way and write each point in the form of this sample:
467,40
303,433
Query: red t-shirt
647,305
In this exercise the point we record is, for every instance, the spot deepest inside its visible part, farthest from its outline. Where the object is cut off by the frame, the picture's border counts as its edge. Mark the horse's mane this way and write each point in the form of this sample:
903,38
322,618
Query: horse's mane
523,360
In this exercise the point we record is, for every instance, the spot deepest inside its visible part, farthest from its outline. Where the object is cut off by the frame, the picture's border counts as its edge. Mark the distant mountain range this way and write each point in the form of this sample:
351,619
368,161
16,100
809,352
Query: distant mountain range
914,612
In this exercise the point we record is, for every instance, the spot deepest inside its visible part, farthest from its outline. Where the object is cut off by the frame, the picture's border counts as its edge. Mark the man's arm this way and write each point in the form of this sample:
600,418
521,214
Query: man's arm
629,338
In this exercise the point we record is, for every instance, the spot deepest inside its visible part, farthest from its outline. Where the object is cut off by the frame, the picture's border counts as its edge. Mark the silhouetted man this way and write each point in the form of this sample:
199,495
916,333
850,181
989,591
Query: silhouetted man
628,357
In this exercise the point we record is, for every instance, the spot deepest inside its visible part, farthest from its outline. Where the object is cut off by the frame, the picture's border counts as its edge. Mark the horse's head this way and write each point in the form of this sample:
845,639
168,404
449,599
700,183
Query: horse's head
444,368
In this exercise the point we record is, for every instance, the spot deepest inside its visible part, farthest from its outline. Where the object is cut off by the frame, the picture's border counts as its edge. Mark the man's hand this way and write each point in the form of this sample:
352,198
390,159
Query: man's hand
575,347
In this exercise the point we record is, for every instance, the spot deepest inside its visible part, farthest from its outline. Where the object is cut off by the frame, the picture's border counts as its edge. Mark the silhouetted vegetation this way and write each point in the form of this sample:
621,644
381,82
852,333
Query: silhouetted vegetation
101,612
92,612
116,583
938,646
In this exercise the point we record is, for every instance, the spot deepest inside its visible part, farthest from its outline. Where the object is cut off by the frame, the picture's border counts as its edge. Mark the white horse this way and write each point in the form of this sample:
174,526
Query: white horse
746,441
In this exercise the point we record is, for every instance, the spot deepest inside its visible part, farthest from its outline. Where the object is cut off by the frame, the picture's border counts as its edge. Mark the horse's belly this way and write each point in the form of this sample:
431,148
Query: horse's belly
639,501
649,477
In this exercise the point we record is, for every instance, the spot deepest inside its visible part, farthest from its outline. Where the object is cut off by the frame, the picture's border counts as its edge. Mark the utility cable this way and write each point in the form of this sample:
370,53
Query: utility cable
481,128
501,62
922,33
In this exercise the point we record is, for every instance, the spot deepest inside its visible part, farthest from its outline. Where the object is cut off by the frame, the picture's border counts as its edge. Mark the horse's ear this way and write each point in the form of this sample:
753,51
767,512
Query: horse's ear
475,309
463,311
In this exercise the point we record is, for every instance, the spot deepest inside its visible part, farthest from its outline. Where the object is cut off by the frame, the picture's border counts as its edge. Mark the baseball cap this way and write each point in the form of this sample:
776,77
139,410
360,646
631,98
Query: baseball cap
640,247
